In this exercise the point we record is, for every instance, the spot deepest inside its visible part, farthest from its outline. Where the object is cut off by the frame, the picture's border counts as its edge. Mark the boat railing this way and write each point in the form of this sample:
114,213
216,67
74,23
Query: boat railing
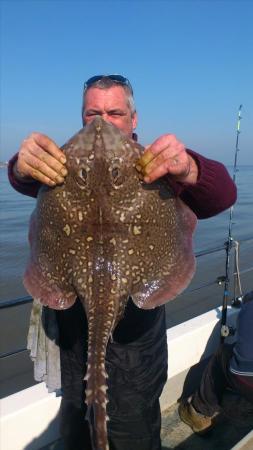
10,303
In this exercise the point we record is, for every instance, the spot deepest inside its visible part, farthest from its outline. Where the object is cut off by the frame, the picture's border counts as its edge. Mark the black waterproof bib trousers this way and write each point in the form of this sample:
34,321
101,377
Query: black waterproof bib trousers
136,362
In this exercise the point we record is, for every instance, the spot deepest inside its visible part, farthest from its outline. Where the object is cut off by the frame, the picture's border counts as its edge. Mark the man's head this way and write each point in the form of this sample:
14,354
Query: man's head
110,97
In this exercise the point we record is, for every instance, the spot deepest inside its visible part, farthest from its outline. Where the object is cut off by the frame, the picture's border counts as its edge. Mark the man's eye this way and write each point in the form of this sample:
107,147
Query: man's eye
90,114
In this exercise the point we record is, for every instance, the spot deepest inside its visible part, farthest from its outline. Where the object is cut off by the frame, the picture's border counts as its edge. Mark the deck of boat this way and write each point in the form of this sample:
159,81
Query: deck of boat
234,423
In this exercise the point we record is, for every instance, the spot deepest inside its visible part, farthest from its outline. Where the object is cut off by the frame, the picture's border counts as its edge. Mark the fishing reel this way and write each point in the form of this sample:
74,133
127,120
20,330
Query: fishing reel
237,301
227,331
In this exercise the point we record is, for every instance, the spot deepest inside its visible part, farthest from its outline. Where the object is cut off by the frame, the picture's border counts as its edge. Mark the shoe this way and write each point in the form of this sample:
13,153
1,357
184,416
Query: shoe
199,423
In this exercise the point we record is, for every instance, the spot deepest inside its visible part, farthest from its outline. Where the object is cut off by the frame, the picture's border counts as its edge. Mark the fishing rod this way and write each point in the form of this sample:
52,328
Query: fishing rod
225,330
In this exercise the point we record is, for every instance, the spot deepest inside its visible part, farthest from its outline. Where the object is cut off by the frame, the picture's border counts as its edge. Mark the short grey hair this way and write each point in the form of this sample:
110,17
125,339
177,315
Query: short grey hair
107,83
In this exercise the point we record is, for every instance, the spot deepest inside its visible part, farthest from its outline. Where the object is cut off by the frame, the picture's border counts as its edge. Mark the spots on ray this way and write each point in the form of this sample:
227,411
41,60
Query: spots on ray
137,230
131,237
67,229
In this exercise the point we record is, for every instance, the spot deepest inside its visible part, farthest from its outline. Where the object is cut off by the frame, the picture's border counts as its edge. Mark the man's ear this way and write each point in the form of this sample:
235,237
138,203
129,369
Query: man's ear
134,120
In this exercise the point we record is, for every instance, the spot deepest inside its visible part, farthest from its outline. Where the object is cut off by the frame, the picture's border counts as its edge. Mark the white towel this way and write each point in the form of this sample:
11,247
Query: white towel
42,341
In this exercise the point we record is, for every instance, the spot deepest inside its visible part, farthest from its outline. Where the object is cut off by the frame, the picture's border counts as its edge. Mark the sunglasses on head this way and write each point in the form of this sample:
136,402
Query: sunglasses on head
116,78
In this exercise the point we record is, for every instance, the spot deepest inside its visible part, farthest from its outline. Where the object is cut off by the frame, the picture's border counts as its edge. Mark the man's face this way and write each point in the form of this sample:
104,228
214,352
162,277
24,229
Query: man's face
112,105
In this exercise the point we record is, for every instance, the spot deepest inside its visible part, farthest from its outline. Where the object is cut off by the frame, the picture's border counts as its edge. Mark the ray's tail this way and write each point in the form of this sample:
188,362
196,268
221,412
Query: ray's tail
100,324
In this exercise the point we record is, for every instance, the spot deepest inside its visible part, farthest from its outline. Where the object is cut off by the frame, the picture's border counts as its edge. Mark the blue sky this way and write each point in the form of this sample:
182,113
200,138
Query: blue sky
190,63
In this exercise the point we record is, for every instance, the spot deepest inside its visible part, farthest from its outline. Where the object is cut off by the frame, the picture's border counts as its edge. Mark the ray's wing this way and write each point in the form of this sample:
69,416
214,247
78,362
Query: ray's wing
44,279
165,265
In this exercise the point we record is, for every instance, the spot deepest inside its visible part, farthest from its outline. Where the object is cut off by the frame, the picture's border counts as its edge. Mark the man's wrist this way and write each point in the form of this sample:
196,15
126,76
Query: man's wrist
19,176
191,177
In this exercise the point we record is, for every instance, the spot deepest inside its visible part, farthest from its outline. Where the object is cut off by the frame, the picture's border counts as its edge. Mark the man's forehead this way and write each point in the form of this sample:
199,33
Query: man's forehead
96,97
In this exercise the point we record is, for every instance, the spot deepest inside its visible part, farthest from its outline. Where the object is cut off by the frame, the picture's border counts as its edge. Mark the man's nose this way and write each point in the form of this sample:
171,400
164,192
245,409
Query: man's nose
106,117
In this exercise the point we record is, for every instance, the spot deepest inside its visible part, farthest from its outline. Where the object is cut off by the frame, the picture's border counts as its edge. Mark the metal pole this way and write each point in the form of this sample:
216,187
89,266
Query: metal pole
229,244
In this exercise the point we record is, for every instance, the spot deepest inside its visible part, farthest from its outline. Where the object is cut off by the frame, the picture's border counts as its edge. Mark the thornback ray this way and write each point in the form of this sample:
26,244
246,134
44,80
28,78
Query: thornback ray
104,236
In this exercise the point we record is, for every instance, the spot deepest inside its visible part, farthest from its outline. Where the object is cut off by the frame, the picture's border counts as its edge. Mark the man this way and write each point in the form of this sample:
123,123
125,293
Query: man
230,367
136,360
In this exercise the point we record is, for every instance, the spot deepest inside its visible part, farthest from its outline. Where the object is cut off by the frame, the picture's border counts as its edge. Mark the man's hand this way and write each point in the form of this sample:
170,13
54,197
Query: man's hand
39,158
167,156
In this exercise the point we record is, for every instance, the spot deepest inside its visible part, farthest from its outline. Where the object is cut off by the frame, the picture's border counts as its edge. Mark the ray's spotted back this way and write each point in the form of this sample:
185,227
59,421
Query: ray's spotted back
103,236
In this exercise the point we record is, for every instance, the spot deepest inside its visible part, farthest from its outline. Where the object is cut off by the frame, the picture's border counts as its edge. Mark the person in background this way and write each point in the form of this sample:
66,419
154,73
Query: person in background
136,359
230,367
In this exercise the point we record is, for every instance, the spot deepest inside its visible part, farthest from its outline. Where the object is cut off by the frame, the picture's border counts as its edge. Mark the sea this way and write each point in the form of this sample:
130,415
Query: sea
15,211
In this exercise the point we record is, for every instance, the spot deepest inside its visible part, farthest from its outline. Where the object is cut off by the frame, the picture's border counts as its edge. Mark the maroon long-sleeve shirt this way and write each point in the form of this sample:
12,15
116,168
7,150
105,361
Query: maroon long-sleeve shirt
214,191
